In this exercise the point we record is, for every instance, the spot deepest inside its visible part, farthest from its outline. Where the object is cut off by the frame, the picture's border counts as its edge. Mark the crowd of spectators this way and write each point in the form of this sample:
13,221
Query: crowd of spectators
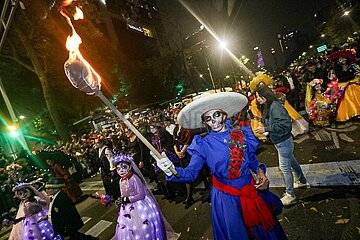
313,84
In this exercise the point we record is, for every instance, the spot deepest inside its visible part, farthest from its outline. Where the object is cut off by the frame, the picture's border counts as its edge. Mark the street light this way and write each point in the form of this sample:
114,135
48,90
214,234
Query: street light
322,35
222,44
346,13
201,75
13,131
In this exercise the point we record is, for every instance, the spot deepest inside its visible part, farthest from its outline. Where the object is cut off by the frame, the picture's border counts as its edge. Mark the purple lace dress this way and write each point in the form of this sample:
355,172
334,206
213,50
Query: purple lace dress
36,225
141,218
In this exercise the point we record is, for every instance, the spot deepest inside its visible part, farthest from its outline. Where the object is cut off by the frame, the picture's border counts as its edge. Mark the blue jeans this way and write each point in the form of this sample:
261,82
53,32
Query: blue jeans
286,162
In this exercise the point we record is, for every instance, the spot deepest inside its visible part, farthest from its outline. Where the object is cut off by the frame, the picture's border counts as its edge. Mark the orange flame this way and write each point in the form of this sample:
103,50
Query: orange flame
73,42
78,14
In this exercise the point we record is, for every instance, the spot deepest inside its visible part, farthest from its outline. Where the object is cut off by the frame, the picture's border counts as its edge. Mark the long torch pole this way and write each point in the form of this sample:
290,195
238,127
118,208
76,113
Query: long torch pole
131,127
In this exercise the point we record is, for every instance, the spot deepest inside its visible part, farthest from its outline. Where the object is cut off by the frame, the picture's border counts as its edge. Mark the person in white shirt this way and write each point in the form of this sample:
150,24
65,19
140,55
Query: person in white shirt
63,214
169,126
107,168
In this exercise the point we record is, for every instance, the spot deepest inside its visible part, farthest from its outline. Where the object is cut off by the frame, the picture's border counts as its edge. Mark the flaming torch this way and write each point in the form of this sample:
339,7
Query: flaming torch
83,77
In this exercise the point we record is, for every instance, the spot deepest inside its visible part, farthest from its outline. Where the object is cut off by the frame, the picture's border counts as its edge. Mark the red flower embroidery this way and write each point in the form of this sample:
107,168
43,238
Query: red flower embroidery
234,174
236,153
237,136
236,147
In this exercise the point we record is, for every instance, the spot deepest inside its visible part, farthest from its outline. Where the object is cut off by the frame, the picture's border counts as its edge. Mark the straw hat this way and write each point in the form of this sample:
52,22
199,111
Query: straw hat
230,102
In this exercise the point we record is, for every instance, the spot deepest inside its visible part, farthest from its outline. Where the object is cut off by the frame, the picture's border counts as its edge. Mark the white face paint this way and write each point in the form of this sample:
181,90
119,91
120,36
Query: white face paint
175,119
215,119
153,129
23,194
123,168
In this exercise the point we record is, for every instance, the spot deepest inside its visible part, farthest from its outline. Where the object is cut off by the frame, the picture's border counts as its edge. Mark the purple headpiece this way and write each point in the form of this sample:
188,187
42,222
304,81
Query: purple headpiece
123,158
20,186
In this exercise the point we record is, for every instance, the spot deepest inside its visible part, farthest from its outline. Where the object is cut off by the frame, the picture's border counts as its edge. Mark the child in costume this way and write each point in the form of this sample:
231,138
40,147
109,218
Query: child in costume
139,214
34,204
320,106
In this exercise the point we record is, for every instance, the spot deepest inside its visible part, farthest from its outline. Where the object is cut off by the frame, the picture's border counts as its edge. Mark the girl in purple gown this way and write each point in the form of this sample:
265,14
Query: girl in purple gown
139,215
242,208
35,224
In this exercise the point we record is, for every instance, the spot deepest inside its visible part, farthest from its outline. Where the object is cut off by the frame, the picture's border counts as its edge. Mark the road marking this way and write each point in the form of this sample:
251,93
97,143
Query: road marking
344,173
301,138
335,139
345,137
98,228
86,219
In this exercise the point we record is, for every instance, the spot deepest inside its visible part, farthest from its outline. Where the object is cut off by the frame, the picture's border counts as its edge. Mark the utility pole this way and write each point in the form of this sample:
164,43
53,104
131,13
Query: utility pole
5,22
210,73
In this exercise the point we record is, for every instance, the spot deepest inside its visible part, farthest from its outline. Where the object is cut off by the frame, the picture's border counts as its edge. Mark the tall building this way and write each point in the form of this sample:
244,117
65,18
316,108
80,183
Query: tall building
287,39
135,27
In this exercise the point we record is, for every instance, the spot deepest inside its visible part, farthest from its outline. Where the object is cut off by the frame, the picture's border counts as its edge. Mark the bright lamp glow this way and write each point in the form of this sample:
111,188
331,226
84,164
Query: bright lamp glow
11,128
14,134
346,13
13,131
222,44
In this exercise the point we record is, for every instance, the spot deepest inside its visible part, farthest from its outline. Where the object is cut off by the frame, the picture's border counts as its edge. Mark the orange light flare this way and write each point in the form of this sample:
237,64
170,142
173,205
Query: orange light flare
80,73
67,3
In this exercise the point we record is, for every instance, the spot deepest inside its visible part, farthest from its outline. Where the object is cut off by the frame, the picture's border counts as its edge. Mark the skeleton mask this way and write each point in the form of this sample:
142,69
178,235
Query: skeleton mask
215,119
153,129
342,60
123,168
23,193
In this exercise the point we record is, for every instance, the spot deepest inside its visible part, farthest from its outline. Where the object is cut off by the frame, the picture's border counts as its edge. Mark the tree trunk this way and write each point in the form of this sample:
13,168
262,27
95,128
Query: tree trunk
55,114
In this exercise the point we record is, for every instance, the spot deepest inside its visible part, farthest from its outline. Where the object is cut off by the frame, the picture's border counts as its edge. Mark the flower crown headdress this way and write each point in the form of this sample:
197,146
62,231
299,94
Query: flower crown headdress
258,79
122,157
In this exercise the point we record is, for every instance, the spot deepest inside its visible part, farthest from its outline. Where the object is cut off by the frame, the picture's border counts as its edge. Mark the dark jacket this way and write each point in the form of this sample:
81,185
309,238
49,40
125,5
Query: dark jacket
278,124
320,74
65,218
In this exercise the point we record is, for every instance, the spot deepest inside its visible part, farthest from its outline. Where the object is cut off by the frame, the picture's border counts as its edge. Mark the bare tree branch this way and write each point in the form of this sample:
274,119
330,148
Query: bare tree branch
18,61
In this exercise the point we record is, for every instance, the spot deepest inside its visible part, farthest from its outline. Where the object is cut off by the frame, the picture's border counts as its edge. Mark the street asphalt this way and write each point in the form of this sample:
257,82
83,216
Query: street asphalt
325,211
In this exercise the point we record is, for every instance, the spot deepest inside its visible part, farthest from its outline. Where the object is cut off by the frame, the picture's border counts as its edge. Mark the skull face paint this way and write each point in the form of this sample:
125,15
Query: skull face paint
215,119
23,194
153,129
123,168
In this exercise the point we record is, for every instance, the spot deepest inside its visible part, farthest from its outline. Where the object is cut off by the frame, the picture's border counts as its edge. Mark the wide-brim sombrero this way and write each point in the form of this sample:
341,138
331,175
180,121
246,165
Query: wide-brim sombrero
230,102
348,54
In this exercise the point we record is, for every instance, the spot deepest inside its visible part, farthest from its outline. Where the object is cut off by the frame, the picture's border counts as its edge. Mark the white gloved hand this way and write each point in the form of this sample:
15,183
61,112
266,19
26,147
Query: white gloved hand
164,163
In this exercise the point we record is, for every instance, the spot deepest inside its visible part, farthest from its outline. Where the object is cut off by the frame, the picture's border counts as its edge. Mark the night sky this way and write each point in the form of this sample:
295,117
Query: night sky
260,21
251,23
